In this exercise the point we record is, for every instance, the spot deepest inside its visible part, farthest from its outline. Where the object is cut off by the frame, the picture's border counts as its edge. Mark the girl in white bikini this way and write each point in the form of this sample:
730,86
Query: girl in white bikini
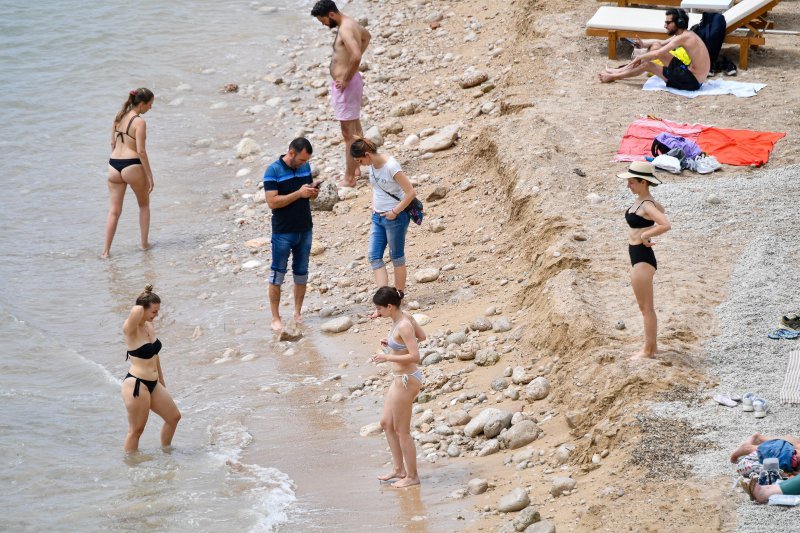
406,383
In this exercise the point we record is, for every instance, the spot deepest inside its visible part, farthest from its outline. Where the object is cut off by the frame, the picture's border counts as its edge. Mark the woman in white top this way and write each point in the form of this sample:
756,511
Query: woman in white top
392,192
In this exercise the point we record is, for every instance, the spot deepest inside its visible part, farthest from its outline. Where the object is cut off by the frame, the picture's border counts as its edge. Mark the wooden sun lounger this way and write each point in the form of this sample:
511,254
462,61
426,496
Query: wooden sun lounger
745,20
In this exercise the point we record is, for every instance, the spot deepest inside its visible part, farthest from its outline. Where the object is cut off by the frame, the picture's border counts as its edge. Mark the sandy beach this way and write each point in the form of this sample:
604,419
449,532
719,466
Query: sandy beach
524,226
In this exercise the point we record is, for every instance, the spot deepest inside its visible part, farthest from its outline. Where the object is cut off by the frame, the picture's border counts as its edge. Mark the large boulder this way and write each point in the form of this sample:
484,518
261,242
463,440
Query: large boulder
490,416
327,198
538,389
246,147
442,140
521,434
516,500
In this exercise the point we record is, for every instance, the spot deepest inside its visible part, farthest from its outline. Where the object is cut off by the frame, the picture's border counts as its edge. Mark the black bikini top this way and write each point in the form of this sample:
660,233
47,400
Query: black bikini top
636,221
146,350
119,133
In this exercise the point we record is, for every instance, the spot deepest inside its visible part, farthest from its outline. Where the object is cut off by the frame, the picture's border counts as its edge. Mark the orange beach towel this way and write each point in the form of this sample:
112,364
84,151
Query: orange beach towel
730,147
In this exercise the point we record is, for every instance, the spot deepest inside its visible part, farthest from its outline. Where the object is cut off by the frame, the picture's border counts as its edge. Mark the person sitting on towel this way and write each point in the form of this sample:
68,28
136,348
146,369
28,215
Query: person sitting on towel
683,52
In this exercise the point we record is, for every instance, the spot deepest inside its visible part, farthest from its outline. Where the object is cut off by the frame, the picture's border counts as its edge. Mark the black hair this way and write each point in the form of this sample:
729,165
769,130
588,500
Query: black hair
680,17
300,144
361,147
148,297
387,295
323,8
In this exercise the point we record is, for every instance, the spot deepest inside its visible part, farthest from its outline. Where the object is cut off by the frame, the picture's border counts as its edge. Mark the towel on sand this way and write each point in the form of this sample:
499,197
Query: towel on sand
709,88
790,392
730,147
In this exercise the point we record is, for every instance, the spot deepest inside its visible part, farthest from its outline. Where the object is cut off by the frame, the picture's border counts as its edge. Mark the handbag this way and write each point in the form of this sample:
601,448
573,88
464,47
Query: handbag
414,209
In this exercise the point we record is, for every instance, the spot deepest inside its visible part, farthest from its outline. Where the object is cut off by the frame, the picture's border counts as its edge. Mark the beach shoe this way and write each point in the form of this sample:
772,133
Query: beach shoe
728,68
706,164
760,408
725,400
747,485
791,322
747,402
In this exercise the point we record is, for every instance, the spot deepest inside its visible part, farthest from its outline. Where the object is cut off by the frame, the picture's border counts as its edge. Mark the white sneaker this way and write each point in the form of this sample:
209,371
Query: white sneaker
761,407
706,164
747,402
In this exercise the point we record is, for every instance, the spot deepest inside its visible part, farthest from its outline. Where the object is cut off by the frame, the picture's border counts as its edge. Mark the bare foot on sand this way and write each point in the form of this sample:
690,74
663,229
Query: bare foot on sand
147,246
406,482
604,77
105,255
643,355
298,318
277,325
394,474
346,183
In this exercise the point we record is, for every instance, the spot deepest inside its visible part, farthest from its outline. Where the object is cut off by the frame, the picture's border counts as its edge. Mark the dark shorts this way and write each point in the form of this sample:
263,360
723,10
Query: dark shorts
680,77
642,254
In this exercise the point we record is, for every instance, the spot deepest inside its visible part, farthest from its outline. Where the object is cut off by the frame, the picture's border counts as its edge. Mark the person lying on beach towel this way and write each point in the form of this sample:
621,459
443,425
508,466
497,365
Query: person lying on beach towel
684,53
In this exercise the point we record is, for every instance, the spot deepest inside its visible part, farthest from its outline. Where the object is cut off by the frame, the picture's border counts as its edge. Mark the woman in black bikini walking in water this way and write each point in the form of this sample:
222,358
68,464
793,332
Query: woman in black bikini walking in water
129,164
646,219
143,388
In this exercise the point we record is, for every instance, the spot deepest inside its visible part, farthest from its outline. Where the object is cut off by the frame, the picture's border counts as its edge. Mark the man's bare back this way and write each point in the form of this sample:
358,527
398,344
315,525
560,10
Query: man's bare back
350,36
696,48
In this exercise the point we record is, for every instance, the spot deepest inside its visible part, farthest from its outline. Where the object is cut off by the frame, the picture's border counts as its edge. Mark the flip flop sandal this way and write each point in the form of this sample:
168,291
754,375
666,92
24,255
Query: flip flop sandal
783,333
725,400
748,485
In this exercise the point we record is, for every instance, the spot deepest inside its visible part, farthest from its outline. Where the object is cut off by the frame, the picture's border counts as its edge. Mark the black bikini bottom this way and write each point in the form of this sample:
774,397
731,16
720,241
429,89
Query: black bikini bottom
642,254
151,385
120,164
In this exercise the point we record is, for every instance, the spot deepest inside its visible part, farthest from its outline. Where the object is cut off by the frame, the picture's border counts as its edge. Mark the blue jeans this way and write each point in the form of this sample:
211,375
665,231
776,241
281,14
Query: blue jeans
299,244
391,232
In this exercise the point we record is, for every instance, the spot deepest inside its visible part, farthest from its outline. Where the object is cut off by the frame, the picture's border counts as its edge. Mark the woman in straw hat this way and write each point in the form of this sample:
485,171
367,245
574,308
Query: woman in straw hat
646,219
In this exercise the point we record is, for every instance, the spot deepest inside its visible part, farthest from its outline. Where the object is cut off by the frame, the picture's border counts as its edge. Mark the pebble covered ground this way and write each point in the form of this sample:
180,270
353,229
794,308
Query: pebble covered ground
757,214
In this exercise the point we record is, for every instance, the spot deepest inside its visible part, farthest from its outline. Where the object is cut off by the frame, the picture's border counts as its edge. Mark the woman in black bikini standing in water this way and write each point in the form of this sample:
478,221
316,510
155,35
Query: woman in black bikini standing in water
407,379
129,164
143,389
646,219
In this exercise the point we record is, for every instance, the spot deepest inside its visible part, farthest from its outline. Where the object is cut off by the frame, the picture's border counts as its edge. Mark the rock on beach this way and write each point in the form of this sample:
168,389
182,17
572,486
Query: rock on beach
337,325
441,140
516,500
426,275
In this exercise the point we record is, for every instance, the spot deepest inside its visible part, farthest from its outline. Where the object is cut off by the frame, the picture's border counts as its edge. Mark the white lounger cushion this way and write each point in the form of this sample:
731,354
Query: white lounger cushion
707,5
742,11
634,19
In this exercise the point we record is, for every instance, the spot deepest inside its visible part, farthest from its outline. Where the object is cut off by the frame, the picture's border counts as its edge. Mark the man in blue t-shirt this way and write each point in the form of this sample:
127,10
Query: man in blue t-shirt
288,187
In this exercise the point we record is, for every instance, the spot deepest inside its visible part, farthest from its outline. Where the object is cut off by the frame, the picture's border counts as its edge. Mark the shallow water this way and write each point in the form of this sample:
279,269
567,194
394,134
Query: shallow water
65,69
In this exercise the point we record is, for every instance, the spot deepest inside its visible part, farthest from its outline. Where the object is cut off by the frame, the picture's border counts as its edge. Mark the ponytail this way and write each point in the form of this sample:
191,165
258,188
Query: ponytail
361,147
135,97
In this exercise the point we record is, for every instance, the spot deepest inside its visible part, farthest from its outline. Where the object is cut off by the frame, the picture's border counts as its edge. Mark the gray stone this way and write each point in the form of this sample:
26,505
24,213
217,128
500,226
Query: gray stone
561,485
490,447
526,517
436,226
516,500
453,450
620,325
411,140
337,325
459,417
472,78
562,454
246,147
290,332
538,389
371,429
541,527
426,275
486,357
499,384
520,376
327,198
475,426
391,126
459,337
477,486
374,135
404,109
461,295
501,325
480,324
465,354
437,194
432,359
442,140
521,434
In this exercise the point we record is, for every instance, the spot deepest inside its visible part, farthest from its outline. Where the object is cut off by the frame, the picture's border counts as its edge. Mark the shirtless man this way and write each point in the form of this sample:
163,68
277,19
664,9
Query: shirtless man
347,87
752,443
677,74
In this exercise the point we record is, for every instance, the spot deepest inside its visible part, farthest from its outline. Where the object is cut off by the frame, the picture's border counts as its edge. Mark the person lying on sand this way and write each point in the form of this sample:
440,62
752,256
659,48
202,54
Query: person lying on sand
684,54
752,443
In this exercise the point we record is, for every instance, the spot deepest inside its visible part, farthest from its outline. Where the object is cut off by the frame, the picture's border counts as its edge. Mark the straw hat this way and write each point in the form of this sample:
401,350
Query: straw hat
641,170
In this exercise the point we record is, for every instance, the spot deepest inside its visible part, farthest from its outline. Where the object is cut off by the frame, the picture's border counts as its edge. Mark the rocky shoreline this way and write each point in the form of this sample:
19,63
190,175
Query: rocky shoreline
518,271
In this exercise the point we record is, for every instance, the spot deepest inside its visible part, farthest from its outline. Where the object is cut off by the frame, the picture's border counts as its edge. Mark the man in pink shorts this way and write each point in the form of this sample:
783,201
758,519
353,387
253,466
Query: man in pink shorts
347,87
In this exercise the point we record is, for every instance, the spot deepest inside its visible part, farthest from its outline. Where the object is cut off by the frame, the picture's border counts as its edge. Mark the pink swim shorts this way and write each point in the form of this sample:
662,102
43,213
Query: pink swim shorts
347,103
